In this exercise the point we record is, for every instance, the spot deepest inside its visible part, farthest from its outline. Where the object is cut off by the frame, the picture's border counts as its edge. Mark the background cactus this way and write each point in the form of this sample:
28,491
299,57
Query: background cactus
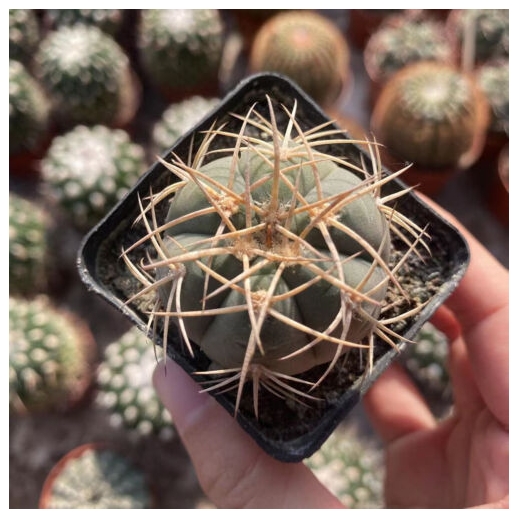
88,169
432,115
307,48
352,467
108,20
178,118
180,49
96,477
87,76
51,354
124,386
29,112
29,252
24,35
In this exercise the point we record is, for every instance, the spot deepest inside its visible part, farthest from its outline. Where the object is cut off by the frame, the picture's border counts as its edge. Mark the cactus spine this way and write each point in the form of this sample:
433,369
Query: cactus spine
272,259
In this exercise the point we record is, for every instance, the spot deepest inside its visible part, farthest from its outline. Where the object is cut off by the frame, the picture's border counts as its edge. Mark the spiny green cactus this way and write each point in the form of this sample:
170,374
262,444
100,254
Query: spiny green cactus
24,35
178,118
50,356
493,79
273,258
307,48
88,169
401,41
351,467
87,76
125,389
431,114
180,48
29,111
29,254
108,20
92,477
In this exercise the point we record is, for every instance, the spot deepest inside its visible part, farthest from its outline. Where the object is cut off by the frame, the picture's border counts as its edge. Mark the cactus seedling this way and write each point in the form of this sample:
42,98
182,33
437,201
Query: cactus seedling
273,258
24,35
307,48
108,20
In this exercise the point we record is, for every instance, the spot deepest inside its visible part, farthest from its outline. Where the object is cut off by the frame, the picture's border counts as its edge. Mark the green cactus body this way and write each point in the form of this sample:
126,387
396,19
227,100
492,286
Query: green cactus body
96,477
88,169
351,467
180,49
272,259
28,246
29,111
87,76
401,41
124,387
50,355
24,35
307,48
178,118
108,20
430,114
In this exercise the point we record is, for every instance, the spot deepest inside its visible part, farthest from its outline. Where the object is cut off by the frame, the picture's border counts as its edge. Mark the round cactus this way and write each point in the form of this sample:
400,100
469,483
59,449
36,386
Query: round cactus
351,467
29,257
307,48
50,356
252,239
24,35
124,387
108,20
96,477
88,169
88,77
180,49
402,40
432,115
178,118
29,112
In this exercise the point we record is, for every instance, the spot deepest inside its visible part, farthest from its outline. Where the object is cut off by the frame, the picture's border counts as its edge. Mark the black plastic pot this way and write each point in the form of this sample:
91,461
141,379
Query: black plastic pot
288,432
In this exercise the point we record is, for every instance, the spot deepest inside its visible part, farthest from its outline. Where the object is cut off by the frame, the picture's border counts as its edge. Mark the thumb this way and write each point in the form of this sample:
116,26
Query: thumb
232,469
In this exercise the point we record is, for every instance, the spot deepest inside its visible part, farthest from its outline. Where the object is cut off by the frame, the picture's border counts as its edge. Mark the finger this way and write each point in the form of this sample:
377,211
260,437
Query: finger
395,407
232,469
481,305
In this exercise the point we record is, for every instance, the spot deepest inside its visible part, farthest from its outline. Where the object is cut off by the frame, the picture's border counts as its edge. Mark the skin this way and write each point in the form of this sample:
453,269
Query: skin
460,462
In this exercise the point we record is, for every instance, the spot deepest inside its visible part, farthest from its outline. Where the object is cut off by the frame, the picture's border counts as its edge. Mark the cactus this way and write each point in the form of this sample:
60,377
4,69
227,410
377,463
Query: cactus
29,111
29,254
402,40
50,356
96,477
88,169
431,114
24,35
272,258
124,387
307,48
87,76
178,118
180,49
108,20
351,467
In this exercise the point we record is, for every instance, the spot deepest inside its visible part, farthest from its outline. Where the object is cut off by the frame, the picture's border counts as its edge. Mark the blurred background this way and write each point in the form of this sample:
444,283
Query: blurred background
96,95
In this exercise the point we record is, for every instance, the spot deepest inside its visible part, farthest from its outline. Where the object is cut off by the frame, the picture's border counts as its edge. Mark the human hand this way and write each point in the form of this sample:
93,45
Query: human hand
462,461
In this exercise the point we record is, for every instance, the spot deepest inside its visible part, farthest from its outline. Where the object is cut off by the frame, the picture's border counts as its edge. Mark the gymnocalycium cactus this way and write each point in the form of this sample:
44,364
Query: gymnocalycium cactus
272,258
29,252
29,111
307,48
96,477
108,20
87,76
24,35
124,386
180,49
50,356
88,169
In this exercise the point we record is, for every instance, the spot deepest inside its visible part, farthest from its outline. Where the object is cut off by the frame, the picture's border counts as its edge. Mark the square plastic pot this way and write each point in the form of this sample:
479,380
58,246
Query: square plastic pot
286,430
